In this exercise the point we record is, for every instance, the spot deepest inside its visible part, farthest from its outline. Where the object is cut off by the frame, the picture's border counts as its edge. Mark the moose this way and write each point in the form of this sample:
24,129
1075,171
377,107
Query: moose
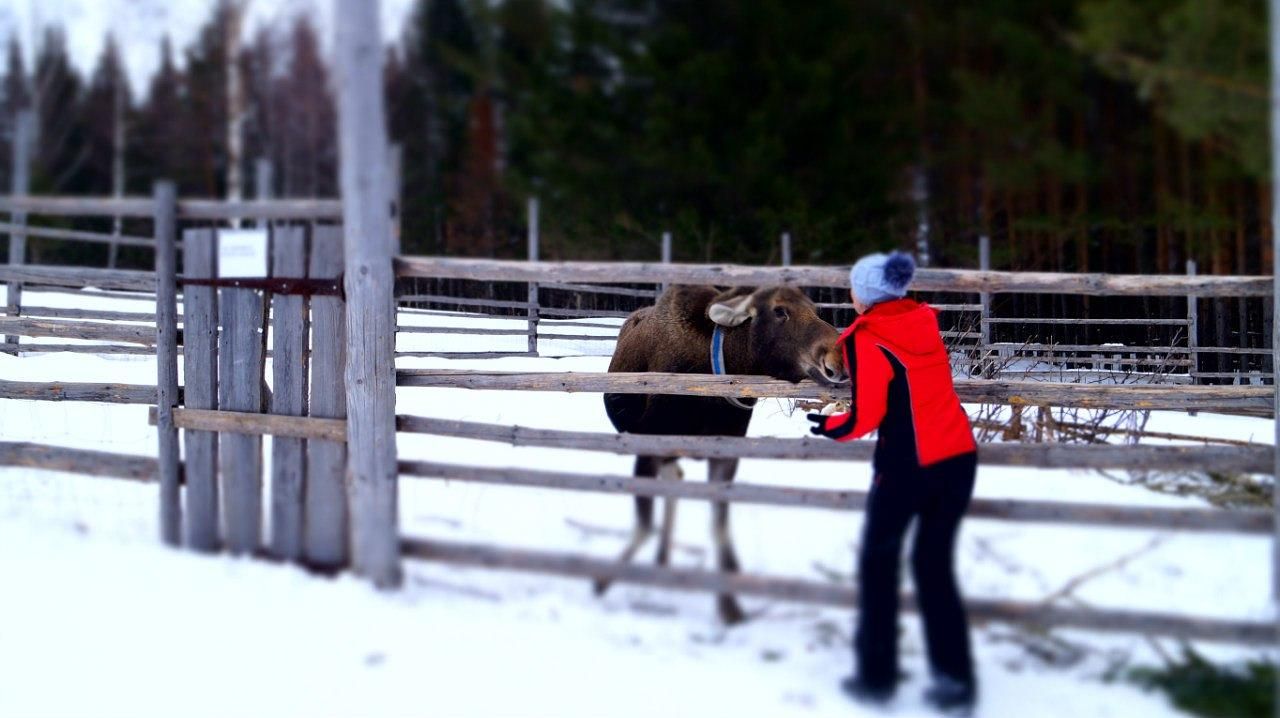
773,331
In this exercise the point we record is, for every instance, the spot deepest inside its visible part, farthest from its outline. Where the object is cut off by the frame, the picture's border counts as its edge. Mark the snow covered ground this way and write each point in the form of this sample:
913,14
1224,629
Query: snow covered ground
97,619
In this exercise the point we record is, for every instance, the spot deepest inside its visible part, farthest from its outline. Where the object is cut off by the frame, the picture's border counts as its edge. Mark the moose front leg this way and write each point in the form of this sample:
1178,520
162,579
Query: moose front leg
722,471
647,467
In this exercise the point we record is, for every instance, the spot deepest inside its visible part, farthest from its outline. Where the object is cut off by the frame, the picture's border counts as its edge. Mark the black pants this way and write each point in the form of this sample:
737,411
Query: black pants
937,497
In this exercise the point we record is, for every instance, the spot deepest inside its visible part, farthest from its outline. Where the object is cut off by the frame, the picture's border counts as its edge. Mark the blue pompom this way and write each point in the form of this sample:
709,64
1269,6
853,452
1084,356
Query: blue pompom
899,268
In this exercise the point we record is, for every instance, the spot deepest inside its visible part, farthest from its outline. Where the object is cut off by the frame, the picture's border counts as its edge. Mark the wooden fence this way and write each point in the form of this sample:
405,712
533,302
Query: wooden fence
1234,399
981,341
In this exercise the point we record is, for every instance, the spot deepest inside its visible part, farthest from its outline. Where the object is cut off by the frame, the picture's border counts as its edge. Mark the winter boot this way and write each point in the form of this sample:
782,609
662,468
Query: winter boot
950,696
863,692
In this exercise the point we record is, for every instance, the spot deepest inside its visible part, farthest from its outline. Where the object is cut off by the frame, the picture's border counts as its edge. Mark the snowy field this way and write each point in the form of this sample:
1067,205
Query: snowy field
97,619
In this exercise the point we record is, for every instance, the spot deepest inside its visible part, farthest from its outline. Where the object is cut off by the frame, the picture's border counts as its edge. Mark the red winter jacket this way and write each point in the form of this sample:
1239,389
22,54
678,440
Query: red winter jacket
901,379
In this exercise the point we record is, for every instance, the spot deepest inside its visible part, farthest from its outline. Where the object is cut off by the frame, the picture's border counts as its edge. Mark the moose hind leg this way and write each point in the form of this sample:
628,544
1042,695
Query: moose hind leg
646,468
668,471
722,471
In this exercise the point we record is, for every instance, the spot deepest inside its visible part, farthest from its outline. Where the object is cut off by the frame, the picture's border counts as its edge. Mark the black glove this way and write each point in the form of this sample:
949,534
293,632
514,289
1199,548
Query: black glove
819,427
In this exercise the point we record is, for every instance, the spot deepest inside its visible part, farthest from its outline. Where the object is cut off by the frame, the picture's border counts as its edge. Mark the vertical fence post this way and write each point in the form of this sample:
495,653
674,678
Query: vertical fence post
666,253
165,196
200,387
533,286
370,283
986,359
19,185
1193,327
786,249
1274,25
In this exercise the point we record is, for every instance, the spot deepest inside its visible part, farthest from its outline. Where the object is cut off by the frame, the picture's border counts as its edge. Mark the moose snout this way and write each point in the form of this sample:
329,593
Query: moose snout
829,369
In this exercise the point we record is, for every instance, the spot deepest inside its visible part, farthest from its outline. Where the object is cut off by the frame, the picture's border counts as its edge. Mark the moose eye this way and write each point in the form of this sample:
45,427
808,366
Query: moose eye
780,312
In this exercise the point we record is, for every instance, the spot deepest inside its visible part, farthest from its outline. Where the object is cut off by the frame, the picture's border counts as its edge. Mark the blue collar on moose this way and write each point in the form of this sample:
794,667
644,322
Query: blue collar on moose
717,365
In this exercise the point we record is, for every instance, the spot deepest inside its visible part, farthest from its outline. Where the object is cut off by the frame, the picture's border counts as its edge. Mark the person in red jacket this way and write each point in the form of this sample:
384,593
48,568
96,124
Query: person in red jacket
924,467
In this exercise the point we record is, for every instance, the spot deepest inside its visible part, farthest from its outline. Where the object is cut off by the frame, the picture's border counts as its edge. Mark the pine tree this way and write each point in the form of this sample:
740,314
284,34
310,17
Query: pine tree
158,148
62,149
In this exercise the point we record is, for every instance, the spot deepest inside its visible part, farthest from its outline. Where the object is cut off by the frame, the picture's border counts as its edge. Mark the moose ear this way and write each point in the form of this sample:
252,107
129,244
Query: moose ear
731,308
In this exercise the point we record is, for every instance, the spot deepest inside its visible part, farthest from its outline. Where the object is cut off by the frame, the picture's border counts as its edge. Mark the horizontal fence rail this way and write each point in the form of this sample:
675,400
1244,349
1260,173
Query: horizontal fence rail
88,331
73,391
77,236
115,279
827,594
1255,459
932,280
1250,522
210,209
1253,400
77,461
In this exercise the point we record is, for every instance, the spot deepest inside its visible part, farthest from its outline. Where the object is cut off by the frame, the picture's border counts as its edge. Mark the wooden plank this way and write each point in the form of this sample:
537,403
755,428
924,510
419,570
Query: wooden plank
827,594
554,312
1256,458
200,372
79,292
190,209
166,341
289,392
582,337
602,289
1120,396
240,376
111,349
370,285
926,279
98,314
297,427
325,510
1216,520
59,276
78,391
464,301
463,355
78,236
463,330
89,331
276,209
1093,320
78,461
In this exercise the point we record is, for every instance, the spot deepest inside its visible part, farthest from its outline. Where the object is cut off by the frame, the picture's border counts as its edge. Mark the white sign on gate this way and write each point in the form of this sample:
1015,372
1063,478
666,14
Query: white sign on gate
242,253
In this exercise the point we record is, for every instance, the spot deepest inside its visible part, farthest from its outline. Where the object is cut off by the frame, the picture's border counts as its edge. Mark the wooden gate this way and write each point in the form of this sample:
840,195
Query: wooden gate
296,315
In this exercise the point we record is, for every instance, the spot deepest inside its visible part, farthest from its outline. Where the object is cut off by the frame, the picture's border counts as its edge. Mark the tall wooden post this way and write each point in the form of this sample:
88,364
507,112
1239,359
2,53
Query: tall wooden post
985,358
666,253
1193,327
1274,7
533,286
19,184
369,282
786,249
166,202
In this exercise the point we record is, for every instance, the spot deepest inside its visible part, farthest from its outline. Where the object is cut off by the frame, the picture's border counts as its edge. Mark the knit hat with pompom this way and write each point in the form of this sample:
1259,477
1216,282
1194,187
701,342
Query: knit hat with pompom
881,277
